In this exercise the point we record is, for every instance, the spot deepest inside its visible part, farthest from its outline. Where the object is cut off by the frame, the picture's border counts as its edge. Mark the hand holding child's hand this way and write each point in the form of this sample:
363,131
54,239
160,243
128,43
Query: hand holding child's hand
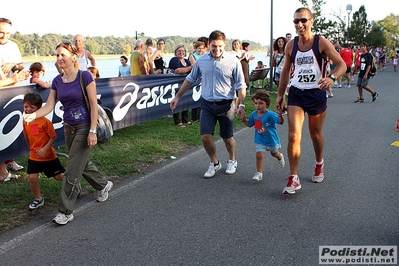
279,111
29,117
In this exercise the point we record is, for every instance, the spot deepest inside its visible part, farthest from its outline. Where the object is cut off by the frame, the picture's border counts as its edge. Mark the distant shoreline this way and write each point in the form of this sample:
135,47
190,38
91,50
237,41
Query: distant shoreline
30,59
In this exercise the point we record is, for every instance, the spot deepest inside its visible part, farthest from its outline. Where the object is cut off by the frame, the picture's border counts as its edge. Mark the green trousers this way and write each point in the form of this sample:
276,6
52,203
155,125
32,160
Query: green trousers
78,165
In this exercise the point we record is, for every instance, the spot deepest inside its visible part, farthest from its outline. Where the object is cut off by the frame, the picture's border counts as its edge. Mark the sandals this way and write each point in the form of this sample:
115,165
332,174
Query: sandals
10,176
180,125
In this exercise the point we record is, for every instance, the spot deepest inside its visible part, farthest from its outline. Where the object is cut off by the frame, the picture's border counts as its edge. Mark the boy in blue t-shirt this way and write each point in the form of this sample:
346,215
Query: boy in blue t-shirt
266,137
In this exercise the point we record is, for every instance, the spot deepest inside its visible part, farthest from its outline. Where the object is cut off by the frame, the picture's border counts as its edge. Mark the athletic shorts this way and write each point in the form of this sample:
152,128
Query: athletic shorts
312,101
222,112
49,168
272,149
361,83
348,70
276,76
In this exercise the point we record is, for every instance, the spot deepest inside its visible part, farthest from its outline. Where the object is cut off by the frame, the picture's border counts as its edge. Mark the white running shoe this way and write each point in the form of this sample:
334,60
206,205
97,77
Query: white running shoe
282,161
103,194
212,170
63,218
257,177
231,167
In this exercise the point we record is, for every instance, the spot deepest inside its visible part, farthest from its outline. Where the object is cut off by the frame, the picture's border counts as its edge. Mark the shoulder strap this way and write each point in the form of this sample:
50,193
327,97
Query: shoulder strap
322,59
279,61
294,49
83,87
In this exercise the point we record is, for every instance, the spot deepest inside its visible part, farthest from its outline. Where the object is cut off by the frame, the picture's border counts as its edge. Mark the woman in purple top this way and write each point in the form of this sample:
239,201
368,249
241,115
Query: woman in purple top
79,130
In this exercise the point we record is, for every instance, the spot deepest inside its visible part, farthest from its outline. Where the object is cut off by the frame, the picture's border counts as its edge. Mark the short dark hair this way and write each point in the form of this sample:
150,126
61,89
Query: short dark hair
203,39
124,57
302,9
5,20
148,42
36,66
217,35
33,98
245,44
262,95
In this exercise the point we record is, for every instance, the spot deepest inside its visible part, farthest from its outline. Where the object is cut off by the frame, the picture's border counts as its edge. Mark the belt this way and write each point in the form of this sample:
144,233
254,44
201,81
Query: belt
221,102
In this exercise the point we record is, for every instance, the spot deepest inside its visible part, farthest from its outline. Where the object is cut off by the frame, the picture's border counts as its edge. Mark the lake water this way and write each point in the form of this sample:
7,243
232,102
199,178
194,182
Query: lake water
109,67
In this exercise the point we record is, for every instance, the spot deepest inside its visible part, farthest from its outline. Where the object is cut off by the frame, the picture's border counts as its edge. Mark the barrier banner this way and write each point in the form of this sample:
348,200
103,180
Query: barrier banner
132,100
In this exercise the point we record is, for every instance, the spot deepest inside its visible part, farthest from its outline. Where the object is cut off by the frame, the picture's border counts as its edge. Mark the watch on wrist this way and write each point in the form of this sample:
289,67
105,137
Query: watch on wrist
93,131
332,76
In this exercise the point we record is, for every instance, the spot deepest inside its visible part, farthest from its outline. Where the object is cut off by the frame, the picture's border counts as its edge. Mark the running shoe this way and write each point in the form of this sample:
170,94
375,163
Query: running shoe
375,95
212,170
36,204
257,177
293,185
359,100
318,175
231,167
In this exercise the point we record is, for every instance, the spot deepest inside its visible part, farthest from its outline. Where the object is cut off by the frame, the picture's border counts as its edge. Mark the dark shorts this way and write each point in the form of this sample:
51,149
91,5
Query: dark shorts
313,101
222,112
361,83
348,70
49,168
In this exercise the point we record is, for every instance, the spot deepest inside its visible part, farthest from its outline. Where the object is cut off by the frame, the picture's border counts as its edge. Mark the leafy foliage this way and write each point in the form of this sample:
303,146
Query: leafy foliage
382,33
32,44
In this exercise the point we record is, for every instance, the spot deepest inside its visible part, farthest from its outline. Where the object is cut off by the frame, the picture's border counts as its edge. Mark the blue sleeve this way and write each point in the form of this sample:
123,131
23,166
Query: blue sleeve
275,118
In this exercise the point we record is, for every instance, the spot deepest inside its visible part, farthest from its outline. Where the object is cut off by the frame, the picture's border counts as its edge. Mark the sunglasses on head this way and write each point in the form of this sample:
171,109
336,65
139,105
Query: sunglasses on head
71,46
302,20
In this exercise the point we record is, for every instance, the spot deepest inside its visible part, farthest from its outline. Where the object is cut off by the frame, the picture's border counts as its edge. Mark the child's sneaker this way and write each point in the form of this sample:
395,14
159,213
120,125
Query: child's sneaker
359,100
36,204
318,176
282,161
292,185
374,96
257,177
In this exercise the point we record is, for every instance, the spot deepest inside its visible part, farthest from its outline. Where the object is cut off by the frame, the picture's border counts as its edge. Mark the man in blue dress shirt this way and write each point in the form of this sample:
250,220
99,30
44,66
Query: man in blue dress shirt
222,81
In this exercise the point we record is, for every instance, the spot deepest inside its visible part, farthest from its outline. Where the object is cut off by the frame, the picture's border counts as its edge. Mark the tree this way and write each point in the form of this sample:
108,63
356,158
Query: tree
359,27
127,49
321,25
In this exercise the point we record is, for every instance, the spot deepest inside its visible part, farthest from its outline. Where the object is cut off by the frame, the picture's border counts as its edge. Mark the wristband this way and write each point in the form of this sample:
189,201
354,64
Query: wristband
241,105
93,131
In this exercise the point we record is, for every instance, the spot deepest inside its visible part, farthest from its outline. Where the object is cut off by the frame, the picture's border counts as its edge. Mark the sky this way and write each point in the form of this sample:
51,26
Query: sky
244,20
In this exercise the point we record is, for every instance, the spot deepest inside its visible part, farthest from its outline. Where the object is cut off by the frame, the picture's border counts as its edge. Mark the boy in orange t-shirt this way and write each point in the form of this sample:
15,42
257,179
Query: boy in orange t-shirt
40,136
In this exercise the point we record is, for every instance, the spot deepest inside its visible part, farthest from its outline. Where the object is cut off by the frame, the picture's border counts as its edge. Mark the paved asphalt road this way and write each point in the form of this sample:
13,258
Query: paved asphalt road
170,215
